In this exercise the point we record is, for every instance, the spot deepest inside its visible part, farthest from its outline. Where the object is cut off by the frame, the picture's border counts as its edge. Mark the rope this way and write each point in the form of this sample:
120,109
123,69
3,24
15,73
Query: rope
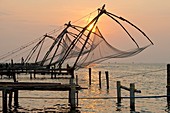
155,96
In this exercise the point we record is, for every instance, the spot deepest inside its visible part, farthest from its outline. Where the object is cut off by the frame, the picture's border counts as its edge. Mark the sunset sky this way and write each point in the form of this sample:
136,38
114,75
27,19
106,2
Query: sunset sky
24,20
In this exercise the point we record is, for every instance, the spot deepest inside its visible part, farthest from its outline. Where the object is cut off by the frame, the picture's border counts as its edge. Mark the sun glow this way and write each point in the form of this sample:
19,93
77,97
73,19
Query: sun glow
91,27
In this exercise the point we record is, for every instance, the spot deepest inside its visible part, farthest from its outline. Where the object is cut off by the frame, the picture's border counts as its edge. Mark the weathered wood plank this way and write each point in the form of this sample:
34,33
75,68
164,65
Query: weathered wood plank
36,86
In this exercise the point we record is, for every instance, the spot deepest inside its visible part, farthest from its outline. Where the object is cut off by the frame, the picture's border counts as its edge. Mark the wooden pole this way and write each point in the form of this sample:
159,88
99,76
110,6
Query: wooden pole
107,79
168,85
89,76
10,99
30,75
52,73
72,72
132,97
118,92
77,80
16,103
100,86
34,74
72,94
14,76
4,100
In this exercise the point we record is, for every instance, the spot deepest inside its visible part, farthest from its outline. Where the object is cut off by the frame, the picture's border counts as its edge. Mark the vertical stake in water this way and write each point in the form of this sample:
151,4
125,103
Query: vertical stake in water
107,79
10,99
89,76
118,92
72,92
132,96
16,103
4,100
168,85
100,86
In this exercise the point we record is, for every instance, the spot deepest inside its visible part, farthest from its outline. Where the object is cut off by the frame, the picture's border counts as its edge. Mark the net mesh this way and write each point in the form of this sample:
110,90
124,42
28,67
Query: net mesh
78,46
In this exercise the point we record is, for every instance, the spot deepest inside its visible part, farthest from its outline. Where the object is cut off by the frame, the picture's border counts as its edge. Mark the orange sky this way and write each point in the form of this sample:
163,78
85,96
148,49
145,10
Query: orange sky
24,20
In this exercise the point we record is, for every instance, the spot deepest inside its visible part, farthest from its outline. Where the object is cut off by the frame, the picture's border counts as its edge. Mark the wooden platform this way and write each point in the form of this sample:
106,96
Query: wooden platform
36,86
9,87
12,69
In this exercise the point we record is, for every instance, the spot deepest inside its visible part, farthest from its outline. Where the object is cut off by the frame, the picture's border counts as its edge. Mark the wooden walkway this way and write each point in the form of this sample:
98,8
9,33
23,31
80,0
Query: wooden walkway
11,69
10,87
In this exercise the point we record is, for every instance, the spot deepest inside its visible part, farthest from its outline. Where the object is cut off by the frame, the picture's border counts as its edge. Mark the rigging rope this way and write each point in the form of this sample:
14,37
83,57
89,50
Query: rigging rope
106,97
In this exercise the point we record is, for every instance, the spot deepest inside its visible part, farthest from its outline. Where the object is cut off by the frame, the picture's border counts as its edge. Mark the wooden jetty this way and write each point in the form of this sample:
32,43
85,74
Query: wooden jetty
7,87
11,70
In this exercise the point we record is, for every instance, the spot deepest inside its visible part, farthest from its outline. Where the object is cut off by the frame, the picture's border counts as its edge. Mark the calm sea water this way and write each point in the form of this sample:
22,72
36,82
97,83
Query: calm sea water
149,78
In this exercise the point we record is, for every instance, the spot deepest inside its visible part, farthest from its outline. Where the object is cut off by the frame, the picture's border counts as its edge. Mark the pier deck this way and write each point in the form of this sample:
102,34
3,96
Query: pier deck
8,87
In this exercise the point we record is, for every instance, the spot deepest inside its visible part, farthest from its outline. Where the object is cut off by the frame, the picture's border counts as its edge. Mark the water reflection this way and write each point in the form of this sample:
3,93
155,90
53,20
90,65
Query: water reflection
55,109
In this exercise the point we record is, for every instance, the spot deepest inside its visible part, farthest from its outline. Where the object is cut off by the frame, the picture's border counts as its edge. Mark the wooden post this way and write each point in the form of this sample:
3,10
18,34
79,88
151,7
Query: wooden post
14,76
168,85
72,72
100,86
72,92
16,103
4,100
30,75
118,92
34,74
76,79
132,97
89,76
52,73
12,62
107,79
10,99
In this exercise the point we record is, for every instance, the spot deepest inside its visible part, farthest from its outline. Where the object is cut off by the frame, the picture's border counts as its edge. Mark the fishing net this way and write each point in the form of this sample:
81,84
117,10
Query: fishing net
79,46
96,50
